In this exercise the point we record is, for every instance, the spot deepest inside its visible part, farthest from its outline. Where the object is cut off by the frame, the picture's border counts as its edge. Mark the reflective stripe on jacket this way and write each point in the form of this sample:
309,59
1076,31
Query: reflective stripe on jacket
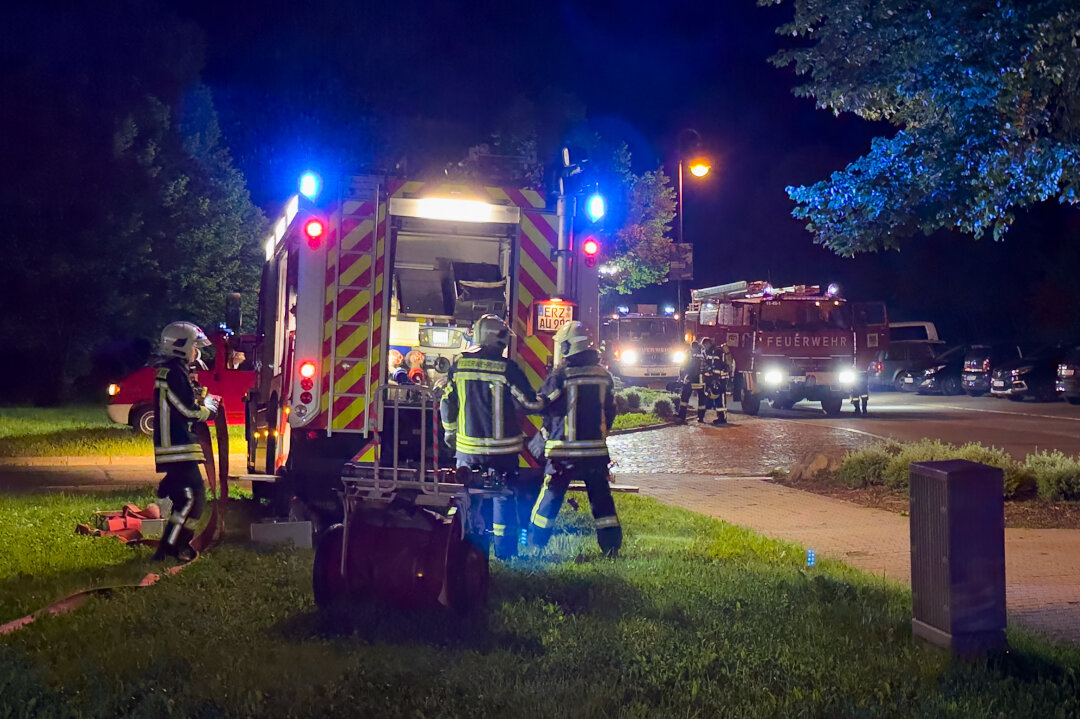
581,408
175,412
484,395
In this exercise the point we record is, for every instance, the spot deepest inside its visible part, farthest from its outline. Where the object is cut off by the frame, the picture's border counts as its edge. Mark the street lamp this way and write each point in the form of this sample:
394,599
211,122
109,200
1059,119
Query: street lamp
699,167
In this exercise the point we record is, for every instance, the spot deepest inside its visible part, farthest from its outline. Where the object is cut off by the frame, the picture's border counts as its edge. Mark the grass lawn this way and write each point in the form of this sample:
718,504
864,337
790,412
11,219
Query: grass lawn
635,419
77,430
697,619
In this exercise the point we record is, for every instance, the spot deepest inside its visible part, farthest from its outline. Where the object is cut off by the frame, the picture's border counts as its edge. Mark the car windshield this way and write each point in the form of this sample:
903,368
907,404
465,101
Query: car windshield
647,328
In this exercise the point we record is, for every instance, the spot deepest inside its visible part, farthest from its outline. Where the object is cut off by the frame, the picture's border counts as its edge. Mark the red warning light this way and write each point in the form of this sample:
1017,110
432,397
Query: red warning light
307,370
591,248
314,229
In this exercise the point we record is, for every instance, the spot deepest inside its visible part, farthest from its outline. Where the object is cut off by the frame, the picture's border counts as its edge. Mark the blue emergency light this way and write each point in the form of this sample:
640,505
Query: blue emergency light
595,207
310,185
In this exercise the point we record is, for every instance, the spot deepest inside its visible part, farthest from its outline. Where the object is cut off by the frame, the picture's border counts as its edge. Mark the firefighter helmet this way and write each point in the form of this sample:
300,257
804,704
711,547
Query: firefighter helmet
182,339
571,339
490,331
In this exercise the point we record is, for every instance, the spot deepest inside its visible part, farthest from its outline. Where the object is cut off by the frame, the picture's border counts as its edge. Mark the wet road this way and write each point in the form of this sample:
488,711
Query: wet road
781,438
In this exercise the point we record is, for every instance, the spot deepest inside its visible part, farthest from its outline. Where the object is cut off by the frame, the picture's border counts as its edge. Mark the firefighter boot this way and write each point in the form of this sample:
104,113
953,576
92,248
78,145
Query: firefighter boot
721,416
701,415
184,551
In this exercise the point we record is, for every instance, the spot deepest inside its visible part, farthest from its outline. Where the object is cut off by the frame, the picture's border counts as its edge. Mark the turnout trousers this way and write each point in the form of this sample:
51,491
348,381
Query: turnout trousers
594,472
499,521
183,485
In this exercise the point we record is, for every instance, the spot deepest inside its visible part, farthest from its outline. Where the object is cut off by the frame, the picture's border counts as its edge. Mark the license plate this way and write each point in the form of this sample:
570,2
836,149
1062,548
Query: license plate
972,377
654,373
909,380
999,383
1068,372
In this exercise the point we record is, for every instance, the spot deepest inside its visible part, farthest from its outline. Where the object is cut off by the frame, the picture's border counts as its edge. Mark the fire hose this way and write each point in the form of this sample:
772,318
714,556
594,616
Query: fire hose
217,475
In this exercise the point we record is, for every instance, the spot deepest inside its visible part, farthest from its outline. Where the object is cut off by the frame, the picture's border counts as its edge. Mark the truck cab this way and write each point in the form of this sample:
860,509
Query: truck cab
643,349
225,368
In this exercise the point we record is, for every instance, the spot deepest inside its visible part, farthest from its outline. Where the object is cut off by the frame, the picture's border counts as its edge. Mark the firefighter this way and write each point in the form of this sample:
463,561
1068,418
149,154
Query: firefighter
860,393
691,380
177,452
708,394
480,414
720,369
581,409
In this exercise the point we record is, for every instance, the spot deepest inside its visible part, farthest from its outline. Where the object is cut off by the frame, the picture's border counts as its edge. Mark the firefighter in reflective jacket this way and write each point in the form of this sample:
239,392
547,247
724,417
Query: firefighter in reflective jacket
177,452
480,414
581,409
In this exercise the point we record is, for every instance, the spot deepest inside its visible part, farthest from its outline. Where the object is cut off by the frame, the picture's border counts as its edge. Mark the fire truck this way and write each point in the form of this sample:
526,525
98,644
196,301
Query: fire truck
790,343
643,347
367,297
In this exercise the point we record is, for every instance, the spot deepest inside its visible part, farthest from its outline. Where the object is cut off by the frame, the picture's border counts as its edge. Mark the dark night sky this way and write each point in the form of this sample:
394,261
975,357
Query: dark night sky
284,76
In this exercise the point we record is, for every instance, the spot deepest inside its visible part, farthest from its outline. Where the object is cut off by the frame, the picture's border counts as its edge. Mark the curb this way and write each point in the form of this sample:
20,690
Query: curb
94,461
645,428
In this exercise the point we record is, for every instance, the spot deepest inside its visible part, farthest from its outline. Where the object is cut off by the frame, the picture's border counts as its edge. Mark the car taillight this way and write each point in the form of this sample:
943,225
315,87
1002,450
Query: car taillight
986,365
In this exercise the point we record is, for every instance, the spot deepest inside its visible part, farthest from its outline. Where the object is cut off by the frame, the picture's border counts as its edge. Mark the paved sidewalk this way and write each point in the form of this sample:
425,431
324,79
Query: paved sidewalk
1042,566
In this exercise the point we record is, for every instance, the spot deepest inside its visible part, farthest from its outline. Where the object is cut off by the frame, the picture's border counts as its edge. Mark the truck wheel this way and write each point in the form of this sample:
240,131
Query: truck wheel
751,403
832,405
142,419
330,585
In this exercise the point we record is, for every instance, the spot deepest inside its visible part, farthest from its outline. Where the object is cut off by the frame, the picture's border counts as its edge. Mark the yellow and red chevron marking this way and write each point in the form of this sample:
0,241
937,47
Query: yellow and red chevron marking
376,371
535,281
350,285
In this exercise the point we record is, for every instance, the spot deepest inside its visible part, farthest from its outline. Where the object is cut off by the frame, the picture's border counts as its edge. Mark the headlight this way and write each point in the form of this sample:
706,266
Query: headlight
628,357
773,377
678,357
847,376
114,389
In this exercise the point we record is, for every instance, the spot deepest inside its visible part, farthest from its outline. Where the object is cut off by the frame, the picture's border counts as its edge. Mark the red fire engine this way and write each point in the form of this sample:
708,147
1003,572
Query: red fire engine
790,343
391,272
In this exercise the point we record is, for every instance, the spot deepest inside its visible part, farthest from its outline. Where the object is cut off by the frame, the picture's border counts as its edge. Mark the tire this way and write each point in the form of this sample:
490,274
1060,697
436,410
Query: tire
951,386
329,584
142,419
832,405
898,382
751,403
901,385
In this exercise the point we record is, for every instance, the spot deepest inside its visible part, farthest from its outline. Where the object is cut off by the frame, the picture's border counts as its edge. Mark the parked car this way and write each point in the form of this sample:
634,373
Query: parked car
888,368
980,361
942,373
227,370
1033,375
913,332
1068,376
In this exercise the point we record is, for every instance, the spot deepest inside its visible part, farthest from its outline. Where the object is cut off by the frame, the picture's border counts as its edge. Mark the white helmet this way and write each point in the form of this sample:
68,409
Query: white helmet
490,331
182,339
571,339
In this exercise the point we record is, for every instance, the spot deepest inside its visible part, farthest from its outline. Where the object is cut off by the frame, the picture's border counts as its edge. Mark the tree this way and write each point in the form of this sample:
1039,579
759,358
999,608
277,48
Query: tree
986,99
128,212
642,242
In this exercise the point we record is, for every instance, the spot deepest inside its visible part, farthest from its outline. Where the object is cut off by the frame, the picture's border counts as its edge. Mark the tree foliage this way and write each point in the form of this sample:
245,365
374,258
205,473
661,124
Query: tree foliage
986,99
642,242
128,212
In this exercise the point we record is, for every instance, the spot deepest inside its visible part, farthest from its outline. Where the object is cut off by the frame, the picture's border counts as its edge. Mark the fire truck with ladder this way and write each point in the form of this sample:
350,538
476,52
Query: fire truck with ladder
375,277
790,343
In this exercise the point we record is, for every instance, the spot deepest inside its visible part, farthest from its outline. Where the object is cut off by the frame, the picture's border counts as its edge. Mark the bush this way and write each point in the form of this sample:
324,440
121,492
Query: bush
621,405
663,409
864,467
1057,475
633,400
889,463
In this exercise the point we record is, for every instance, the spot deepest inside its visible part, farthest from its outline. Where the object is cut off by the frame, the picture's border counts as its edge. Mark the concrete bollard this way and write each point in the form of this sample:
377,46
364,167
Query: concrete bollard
958,555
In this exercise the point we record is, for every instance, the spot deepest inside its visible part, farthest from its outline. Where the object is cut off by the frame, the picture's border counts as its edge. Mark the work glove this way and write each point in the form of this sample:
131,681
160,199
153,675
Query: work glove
450,438
211,403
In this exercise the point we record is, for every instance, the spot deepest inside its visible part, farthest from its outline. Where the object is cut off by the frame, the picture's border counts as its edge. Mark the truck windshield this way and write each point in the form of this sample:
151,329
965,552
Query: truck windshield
647,328
804,316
